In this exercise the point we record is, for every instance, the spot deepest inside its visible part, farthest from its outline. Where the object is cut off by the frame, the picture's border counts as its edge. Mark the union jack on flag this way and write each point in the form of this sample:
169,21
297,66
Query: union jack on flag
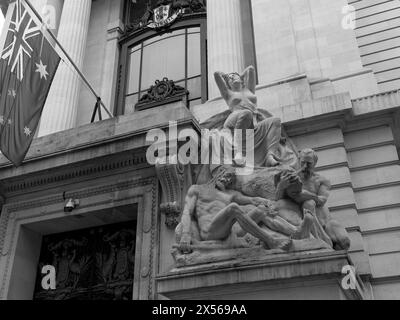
19,51
28,63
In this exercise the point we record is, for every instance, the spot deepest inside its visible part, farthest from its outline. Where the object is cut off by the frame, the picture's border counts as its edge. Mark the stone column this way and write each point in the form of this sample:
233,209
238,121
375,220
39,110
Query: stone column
225,40
60,110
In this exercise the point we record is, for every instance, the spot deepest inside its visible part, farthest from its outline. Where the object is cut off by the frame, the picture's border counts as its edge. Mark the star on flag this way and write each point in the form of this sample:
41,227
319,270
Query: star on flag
12,93
41,68
27,131
28,63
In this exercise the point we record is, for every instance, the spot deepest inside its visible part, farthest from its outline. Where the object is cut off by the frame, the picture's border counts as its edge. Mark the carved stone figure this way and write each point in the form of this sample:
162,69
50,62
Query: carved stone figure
238,90
280,204
313,197
216,211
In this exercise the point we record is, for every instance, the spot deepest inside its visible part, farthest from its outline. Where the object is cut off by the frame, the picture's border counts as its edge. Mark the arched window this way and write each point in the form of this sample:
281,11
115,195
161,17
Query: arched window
177,51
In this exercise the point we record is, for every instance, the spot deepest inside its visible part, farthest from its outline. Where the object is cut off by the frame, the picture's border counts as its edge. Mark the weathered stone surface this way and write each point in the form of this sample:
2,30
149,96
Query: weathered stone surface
287,275
210,256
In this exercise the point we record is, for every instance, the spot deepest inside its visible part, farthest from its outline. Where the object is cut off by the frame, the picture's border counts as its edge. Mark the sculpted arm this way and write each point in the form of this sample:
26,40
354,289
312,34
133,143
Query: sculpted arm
323,192
286,180
186,221
222,85
249,78
189,209
243,200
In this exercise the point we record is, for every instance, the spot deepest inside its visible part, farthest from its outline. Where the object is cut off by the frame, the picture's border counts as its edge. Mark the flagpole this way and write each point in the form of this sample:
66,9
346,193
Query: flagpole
70,59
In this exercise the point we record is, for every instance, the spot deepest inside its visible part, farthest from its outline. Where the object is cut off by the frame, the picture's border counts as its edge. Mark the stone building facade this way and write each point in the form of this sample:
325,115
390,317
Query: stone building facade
335,87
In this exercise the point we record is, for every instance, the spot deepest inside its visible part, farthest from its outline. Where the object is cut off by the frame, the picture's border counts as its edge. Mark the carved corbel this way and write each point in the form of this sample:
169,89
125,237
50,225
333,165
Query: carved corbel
172,180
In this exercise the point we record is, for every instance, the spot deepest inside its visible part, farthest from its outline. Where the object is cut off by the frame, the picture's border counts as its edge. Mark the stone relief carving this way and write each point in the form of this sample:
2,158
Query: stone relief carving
176,9
279,208
161,92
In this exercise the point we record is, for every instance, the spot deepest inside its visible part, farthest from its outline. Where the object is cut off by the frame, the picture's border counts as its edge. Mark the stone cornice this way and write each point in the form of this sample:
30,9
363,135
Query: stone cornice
101,139
86,193
89,170
377,102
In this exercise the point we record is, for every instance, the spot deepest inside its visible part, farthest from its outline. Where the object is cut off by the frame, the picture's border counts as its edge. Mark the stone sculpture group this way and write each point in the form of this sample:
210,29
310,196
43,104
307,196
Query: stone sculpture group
280,207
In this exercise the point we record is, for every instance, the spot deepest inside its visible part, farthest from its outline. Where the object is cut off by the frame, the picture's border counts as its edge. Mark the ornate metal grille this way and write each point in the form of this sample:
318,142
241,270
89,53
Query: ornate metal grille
91,264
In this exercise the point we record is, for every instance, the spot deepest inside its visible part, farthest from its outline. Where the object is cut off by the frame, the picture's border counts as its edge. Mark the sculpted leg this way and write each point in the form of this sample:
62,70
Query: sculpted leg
279,225
260,216
233,213
273,139
239,122
319,232
304,231
338,234
310,206
250,226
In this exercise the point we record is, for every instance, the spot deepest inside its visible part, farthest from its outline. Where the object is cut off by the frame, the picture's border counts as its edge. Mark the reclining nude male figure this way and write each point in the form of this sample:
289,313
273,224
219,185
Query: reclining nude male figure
216,209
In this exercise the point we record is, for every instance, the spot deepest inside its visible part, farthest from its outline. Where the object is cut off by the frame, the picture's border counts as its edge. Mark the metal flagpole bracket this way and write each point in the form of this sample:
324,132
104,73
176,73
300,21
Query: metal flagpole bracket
97,109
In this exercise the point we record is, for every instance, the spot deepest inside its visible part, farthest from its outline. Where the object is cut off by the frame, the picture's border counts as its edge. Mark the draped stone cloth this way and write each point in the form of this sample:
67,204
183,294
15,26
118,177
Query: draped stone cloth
266,139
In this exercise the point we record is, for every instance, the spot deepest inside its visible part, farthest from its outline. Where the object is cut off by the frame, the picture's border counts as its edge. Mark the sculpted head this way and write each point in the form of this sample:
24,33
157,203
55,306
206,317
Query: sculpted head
235,81
308,161
226,180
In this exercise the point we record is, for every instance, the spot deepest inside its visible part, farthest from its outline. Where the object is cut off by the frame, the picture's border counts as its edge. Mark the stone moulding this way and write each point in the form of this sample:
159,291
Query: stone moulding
84,171
242,277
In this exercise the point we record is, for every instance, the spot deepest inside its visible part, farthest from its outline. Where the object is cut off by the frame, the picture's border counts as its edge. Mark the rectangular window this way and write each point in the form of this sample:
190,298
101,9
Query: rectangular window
175,55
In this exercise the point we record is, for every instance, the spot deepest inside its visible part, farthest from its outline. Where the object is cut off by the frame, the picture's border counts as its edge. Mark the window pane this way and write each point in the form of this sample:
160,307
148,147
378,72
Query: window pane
135,48
194,87
130,102
164,36
134,71
194,60
180,83
163,59
196,29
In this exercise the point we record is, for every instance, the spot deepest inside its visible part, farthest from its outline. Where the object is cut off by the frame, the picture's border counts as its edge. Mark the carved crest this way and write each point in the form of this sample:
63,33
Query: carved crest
165,13
161,92
161,14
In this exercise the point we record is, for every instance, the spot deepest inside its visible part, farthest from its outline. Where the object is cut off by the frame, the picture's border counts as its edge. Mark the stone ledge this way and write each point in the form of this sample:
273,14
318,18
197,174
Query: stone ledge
113,136
209,280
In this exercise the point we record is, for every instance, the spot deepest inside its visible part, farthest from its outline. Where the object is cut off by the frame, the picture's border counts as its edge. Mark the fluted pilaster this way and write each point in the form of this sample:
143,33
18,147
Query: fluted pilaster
225,40
61,106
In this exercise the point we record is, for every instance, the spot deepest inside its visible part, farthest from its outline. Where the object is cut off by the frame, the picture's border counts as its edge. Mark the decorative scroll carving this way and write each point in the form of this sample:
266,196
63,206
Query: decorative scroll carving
164,13
171,178
161,92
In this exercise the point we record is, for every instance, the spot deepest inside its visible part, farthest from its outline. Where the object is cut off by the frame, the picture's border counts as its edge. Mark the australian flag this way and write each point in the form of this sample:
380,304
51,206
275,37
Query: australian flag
28,64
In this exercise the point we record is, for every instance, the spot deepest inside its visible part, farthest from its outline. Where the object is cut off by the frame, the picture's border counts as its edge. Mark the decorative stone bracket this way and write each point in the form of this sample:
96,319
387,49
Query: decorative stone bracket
174,180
